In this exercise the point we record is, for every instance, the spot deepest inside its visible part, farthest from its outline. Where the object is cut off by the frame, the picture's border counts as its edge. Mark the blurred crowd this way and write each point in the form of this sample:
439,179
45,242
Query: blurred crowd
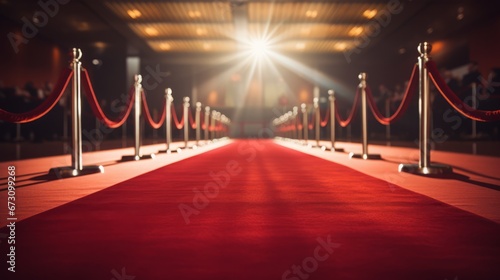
24,99
486,90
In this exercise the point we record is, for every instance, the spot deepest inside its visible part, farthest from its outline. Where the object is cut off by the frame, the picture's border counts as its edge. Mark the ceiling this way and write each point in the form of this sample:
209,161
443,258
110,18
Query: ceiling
222,26
196,29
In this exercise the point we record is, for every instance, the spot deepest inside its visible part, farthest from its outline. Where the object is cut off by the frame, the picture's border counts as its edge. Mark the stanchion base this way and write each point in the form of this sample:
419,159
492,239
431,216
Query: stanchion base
304,143
194,147
340,150
69,171
433,169
178,150
365,156
141,157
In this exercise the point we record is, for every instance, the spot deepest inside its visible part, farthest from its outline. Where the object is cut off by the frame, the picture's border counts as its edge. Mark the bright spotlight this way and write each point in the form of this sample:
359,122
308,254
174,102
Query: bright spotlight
259,47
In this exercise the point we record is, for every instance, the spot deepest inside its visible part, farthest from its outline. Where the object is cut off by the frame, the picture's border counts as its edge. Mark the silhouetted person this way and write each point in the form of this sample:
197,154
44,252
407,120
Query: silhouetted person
492,91
441,108
474,76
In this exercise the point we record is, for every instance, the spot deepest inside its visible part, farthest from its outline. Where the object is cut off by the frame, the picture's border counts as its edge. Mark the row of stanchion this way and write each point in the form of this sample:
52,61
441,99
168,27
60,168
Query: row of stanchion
295,125
214,124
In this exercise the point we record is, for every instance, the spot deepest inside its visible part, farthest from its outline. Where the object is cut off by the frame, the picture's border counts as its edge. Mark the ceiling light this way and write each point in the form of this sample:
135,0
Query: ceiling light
356,31
311,13
235,77
83,26
300,46
430,30
134,13
151,31
305,30
165,46
194,14
340,46
100,45
402,51
460,14
259,47
369,14
201,31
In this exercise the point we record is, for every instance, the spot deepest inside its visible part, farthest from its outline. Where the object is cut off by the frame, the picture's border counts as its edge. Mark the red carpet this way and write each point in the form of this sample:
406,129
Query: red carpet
281,215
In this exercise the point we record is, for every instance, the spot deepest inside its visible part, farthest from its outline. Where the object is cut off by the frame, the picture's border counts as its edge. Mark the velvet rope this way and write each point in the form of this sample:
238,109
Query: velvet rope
326,118
310,126
96,109
405,102
191,119
178,124
346,122
152,123
455,101
47,105
312,121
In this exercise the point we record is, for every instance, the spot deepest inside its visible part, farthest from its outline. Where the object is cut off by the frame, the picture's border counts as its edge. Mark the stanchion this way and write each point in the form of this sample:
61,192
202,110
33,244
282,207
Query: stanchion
295,114
331,98
388,127
212,124
305,128
168,121
424,166
198,124
316,120
290,122
216,125
18,138
364,154
474,106
137,124
186,121
207,123
76,168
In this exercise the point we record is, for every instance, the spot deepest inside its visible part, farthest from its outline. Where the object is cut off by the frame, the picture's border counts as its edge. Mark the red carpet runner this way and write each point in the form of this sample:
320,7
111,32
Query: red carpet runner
276,214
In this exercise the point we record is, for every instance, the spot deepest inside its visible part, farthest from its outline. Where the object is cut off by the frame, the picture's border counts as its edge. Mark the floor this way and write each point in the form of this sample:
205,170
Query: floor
474,186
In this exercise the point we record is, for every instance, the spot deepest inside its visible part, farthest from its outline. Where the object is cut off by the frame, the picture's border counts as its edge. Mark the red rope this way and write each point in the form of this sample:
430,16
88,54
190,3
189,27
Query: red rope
153,124
47,105
312,121
178,124
326,118
405,102
96,109
455,101
346,122
202,120
191,120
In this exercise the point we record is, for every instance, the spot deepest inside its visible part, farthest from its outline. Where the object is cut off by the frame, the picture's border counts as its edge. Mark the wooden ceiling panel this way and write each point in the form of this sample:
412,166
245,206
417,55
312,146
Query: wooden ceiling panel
318,46
281,32
311,12
193,45
182,30
172,11
211,26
